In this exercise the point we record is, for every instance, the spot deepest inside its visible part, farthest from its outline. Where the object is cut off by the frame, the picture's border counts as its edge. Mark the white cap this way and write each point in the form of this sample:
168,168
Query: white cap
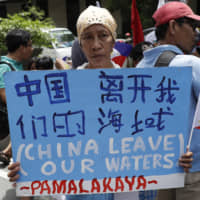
96,15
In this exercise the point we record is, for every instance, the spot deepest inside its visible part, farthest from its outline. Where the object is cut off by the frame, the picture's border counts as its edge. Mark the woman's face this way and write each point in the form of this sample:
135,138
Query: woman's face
97,44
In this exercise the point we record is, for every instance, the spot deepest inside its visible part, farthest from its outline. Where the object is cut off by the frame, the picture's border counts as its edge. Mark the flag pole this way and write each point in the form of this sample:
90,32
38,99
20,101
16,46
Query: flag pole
98,4
196,115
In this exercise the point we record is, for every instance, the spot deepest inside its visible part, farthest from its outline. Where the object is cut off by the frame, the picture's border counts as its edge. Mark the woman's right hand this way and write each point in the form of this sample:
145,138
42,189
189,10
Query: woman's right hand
14,168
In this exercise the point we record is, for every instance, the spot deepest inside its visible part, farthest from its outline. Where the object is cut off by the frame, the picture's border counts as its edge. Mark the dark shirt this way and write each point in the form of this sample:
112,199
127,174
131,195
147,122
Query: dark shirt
78,57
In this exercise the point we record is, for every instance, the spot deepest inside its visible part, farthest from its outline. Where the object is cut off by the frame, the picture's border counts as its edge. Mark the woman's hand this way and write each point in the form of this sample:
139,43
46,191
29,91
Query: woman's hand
14,169
185,160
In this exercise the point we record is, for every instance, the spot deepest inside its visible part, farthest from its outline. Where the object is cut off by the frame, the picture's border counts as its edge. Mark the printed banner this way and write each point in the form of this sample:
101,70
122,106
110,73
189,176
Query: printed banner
98,131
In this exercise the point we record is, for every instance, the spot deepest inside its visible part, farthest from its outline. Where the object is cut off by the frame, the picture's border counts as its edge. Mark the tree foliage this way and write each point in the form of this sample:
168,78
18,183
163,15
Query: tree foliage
146,9
31,20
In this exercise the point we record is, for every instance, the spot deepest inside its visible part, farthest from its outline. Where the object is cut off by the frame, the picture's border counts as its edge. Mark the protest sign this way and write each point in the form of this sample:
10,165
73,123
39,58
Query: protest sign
101,130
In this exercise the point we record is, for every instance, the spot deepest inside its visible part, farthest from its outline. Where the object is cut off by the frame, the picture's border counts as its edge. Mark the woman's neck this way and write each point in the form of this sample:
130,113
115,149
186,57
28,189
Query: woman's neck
96,66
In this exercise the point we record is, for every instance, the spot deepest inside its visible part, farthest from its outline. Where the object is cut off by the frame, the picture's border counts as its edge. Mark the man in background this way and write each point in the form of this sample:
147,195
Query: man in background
19,46
176,32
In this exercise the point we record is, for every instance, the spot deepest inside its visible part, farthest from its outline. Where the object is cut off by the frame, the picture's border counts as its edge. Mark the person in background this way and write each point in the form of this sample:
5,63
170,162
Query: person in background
196,50
19,46
78,57
176,32
44,63
31,63
137,51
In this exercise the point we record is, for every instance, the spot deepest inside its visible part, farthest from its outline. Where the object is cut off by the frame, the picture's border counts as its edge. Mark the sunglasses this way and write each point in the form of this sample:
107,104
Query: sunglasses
191,23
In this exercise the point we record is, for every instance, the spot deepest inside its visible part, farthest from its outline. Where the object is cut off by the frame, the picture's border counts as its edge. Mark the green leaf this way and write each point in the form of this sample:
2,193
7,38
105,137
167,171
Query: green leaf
33,21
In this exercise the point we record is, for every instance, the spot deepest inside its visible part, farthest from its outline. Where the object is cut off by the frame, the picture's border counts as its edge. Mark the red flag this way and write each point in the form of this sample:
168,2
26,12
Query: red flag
136,25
